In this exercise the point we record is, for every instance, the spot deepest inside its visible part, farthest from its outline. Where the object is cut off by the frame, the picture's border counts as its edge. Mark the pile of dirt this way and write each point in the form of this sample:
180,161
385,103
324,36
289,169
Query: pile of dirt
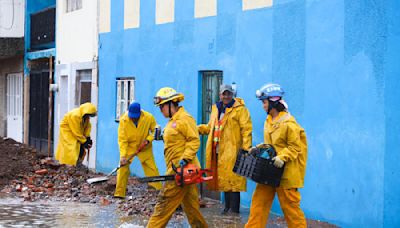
26,174
16,159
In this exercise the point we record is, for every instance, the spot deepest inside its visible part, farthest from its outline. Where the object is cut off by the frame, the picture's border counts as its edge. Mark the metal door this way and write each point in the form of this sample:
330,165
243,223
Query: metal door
38,111
210,83
14,106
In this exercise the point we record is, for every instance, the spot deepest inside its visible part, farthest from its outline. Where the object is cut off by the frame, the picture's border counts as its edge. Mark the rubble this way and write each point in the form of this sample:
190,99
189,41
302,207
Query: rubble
33,177
39,178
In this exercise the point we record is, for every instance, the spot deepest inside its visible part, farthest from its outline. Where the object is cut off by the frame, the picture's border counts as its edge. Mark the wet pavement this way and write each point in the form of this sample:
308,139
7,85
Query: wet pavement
15,212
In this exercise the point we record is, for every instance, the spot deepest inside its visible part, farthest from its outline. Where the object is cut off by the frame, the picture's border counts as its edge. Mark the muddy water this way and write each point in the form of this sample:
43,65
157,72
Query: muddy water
16,213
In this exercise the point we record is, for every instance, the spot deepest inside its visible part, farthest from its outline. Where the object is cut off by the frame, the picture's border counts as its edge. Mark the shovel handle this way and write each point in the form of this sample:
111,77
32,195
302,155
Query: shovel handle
137,151
129,158
87,157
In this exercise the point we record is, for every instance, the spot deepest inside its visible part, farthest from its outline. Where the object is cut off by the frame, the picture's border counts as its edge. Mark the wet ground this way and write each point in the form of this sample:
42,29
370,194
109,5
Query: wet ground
37,192
15,212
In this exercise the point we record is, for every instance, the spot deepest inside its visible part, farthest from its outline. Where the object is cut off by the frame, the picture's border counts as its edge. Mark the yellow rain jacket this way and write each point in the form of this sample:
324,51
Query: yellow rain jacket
235,135
73,133
181,141
289,140
130,137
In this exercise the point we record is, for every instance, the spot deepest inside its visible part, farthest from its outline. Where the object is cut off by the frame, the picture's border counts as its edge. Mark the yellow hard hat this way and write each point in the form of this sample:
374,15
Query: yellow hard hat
166,94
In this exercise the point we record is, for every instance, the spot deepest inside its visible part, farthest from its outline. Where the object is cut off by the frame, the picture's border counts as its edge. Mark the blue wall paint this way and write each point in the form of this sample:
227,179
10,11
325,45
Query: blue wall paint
33,6
336,60
392,116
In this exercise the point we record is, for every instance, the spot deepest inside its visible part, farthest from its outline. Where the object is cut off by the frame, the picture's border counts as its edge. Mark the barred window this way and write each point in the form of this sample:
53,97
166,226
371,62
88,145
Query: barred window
73,5
125,95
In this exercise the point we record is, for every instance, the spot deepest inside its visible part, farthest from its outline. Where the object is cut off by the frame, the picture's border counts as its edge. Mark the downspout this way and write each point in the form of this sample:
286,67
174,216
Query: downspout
49,127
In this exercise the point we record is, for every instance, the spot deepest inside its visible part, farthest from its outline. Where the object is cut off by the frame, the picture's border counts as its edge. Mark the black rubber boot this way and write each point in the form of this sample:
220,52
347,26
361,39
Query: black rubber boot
227,199
235,202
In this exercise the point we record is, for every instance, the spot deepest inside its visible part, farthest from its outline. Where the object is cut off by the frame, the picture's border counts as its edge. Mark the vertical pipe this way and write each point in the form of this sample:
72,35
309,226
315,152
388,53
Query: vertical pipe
49,129
26,108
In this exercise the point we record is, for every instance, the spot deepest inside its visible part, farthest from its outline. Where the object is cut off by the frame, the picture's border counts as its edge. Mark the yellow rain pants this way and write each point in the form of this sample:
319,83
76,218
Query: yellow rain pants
261,203
171,196
149,168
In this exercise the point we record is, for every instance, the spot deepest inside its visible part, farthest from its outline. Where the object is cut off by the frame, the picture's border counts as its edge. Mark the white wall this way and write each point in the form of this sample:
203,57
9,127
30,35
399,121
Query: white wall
76,48
12,14
65,99
76,33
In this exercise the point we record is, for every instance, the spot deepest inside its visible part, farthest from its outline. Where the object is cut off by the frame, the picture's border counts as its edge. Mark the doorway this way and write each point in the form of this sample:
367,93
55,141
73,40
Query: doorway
209,93
14,106
38,111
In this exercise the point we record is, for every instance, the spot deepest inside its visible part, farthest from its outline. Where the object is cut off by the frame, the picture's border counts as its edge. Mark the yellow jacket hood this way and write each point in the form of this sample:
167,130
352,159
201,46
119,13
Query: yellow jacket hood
87,108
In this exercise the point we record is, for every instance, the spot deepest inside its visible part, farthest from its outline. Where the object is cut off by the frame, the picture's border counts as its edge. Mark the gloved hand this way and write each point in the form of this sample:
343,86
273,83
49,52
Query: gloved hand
253,150
278,163
123,161
88,144
183,163
144,143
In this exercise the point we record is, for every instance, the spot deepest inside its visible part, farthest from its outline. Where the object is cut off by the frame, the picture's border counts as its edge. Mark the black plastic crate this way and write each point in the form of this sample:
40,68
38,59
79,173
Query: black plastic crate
258,169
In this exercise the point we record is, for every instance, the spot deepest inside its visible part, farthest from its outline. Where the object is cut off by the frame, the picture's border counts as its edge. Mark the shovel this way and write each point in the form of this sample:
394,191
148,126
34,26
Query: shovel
87,159
105,178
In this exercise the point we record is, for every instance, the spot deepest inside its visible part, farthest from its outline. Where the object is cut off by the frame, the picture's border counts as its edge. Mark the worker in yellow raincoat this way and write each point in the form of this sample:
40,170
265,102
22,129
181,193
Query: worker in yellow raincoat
181,142
229,130
136,129
75,134
289,140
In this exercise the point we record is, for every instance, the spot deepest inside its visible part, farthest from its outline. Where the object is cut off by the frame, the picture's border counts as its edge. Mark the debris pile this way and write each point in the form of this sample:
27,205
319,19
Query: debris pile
27,174
16,158
47,179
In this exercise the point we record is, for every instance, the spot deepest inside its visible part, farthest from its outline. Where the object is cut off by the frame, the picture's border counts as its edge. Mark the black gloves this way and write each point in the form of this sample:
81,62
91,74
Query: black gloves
88,144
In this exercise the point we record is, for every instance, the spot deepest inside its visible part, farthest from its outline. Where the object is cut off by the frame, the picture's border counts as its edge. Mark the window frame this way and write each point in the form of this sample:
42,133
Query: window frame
73,5
125,97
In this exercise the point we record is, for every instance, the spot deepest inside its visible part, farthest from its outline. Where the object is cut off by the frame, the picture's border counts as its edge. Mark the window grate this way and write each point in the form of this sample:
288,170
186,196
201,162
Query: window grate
125,95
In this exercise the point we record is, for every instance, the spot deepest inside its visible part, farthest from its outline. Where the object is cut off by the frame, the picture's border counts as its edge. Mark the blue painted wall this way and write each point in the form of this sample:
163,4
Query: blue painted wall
33,6
338,61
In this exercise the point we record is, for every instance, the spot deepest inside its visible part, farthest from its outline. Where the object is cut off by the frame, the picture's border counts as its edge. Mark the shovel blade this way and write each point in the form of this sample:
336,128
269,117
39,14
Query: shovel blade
97,179
101,179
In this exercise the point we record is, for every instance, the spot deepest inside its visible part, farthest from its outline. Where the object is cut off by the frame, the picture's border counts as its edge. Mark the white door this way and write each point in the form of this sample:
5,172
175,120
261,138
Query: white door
14,106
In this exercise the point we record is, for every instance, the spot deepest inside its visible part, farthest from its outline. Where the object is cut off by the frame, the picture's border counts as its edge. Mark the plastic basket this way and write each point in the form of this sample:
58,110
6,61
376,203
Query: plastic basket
258,169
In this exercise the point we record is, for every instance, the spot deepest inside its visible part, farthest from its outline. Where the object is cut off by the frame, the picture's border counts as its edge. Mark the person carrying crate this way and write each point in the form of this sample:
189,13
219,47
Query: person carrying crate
289,140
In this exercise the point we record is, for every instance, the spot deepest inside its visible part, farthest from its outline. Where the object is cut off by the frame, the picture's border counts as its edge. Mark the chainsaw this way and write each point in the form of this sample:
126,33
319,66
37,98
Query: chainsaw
189,174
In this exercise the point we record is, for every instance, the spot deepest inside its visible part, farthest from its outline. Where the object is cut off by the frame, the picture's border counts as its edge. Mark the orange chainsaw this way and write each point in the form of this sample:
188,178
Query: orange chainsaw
189,174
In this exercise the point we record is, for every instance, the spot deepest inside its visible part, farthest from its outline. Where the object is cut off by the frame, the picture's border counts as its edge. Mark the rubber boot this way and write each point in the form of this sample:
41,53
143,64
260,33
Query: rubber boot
235,202
227,199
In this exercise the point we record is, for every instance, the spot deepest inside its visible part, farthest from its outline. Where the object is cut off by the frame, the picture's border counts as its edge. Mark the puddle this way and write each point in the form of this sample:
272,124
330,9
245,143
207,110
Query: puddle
16,213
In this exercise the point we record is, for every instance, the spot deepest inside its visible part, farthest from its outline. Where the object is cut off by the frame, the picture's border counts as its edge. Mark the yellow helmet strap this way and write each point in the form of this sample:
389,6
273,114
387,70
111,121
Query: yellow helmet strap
169,109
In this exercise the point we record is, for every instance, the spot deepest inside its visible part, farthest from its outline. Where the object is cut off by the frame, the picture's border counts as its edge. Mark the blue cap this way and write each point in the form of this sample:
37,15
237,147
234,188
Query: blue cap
134,110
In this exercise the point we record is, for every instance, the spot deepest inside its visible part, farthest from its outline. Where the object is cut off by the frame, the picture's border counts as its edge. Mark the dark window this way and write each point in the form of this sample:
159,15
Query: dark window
43,29
83,92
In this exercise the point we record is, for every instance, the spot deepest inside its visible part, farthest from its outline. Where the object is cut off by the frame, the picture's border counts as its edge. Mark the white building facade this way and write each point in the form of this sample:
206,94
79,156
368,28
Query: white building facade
76,62
12,13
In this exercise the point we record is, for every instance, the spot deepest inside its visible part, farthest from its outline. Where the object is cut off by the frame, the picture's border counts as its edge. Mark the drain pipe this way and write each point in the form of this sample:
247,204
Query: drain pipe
50,114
